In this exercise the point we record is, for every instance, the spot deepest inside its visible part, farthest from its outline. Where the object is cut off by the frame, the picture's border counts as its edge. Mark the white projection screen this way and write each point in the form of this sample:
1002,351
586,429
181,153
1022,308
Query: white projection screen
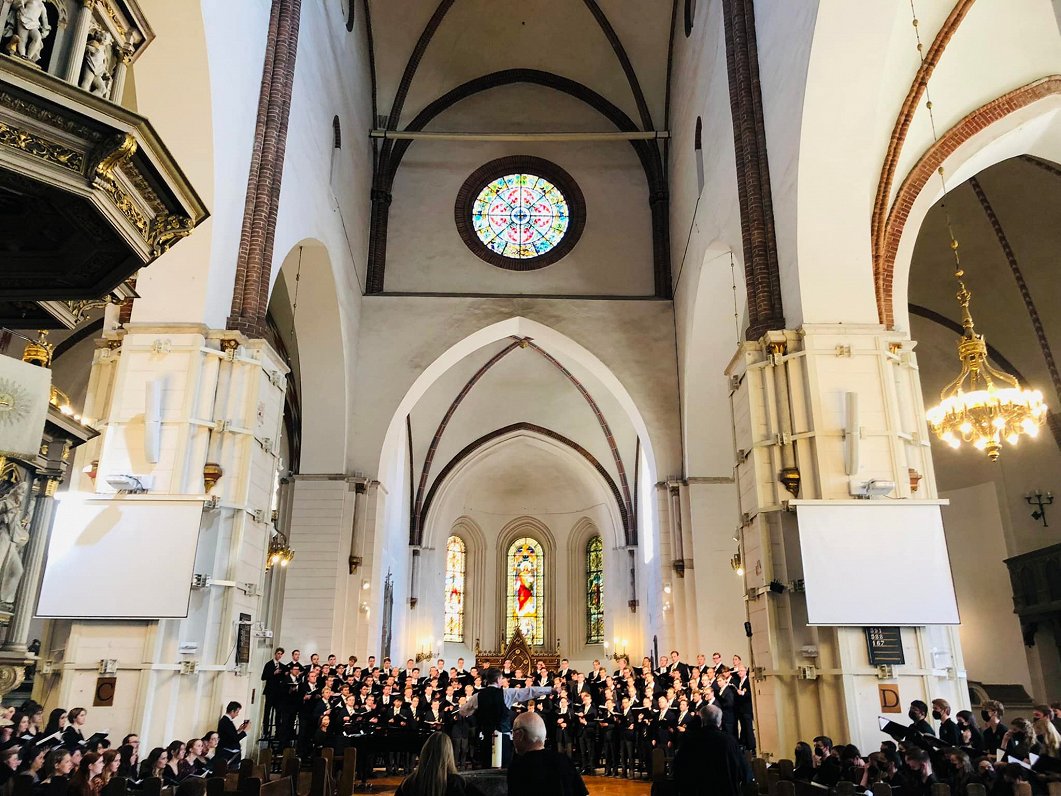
871,564
120,558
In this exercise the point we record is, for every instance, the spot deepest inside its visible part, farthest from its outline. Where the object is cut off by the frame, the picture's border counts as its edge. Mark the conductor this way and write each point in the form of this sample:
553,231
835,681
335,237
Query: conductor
493,713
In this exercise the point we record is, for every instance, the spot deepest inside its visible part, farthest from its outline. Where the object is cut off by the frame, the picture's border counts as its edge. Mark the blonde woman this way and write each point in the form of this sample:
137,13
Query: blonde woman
1048,736
436,772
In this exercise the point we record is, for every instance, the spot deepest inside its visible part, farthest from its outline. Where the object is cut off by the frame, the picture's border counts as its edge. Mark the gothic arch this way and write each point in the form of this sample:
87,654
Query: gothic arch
997,130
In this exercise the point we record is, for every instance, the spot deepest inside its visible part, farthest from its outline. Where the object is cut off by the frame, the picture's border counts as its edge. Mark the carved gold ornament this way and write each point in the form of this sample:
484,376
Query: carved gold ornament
42,148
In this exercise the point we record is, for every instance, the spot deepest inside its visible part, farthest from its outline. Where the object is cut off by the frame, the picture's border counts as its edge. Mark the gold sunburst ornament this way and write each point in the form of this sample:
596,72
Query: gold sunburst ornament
983,406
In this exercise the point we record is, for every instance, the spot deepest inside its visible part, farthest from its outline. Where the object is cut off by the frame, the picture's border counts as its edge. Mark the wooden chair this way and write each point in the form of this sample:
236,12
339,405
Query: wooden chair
759,770
975,789
844,789
749,789
787,787
785,767
1022,789
941,789
1053,788
881,789
773,776
320,778
215,786
346,781
151,786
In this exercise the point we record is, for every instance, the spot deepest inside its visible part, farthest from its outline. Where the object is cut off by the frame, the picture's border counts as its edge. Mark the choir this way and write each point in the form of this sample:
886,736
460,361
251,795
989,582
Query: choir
602,721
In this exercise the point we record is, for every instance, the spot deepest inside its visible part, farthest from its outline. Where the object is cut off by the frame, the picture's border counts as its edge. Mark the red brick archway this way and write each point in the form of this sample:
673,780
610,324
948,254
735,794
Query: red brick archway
887,246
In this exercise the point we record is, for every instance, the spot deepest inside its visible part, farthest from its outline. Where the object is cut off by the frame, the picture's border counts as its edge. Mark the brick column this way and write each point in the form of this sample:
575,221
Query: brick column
250,295
765,312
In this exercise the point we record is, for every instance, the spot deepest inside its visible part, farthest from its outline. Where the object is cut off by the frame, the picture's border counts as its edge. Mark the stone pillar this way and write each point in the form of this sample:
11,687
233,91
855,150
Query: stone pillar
761,270
17,639
78,40
222,403
250,296
121,73
787,407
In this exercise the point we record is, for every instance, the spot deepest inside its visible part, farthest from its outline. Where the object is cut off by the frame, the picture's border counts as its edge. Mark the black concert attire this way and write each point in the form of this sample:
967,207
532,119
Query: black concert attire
710,761
544,771
742,706
272,691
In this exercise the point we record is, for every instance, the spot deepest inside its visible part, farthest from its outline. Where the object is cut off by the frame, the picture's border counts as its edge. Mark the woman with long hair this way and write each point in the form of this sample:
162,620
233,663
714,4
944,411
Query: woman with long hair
81,783
1048,737
32,761
130,760
57,765
111,763
56,722
175,752
972,739
803,770
155,765
193,763
436,772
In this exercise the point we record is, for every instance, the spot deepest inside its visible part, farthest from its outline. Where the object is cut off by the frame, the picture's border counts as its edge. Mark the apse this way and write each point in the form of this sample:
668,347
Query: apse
526,487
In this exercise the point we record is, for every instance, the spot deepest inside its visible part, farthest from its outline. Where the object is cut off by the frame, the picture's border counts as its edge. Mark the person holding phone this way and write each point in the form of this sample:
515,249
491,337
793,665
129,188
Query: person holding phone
230,735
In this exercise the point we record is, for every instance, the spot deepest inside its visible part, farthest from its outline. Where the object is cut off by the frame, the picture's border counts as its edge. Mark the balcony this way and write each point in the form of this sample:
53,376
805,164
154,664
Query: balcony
1036,579
89,194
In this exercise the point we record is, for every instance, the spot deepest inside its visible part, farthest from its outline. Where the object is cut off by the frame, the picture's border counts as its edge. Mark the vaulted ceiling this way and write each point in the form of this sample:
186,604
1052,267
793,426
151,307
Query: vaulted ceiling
424,48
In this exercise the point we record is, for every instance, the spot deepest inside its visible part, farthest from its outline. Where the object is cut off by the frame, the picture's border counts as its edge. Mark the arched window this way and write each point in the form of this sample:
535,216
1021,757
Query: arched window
526,591
595,591
456,568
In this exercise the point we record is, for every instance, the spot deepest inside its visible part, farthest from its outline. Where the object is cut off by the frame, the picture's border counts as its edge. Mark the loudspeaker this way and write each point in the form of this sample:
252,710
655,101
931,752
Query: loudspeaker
748,629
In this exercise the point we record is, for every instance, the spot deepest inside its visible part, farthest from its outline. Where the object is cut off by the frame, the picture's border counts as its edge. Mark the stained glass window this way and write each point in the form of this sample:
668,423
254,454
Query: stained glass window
595,591
456,566
520,216
526,591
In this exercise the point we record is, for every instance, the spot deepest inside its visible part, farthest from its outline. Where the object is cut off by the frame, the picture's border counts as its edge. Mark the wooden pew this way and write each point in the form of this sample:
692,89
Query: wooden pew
346,781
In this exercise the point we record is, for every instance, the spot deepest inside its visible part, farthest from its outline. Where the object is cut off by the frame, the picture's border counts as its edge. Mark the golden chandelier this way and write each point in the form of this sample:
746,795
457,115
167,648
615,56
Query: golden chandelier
984,406
280,552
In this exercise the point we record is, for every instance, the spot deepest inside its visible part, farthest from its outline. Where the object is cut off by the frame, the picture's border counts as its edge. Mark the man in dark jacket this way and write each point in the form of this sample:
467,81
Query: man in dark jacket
709,760
535,770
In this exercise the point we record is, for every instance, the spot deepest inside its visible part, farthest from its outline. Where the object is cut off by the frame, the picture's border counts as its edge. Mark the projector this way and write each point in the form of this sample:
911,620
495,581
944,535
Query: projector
874,487
133,484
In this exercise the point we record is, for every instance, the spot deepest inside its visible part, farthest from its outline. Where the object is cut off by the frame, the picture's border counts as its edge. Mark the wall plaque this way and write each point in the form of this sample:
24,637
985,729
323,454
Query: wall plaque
885,646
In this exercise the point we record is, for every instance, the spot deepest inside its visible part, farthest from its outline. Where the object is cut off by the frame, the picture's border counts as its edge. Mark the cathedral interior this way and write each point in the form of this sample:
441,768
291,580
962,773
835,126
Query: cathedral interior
427,329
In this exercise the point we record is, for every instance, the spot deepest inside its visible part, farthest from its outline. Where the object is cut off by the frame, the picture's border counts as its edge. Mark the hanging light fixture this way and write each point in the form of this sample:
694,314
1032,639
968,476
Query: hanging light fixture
983,406
280,552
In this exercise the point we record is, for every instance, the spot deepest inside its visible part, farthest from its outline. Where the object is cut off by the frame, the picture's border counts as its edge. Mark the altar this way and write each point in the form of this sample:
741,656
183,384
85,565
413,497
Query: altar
522,655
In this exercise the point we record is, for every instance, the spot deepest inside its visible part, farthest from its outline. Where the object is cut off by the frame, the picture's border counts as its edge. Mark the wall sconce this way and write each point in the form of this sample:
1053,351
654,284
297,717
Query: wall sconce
617,654
280,552
1042,500
737,564
425,652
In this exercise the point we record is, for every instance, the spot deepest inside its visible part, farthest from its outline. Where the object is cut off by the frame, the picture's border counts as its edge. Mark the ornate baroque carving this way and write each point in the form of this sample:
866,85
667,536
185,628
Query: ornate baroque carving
47,117
11,677
41,148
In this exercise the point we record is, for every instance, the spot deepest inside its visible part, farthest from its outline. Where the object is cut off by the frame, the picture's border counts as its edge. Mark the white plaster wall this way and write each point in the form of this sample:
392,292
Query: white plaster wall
845,133
976,545
521,387
424,250
402,335
317,581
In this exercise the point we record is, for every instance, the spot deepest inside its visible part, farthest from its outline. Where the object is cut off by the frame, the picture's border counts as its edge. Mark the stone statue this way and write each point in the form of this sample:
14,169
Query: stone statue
27,21
95,71
13,537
